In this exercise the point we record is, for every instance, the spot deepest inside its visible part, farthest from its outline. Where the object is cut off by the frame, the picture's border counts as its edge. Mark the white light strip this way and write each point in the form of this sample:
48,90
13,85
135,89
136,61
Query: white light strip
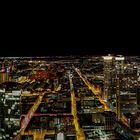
119,58
107,57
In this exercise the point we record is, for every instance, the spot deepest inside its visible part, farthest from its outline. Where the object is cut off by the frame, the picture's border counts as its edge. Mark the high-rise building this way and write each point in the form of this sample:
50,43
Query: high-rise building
3,68
128,90
119,70
117,100
10,101
138,100
119,64
138,91
126,87
108,63
2,132
3,77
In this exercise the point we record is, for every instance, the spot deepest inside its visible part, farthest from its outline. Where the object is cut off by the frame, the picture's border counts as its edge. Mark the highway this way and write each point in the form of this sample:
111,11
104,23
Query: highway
79,131
95,91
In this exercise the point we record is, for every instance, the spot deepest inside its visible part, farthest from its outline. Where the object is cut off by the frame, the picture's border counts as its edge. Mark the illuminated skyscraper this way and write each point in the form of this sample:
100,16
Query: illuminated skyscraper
119,64
118,108
108,62
119,68
126,87
2,131
128,90
138,98
3,68
138,92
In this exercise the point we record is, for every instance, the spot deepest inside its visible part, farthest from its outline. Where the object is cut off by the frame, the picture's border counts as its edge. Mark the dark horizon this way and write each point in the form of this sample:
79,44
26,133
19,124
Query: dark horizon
72,44
64,51
90,40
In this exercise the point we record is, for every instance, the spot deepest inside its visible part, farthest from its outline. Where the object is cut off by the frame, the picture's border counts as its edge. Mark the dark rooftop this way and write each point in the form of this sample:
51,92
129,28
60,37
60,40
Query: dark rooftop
10,85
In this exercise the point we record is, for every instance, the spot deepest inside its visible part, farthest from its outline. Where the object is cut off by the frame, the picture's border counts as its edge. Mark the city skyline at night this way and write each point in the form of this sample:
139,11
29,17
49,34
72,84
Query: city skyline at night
70,97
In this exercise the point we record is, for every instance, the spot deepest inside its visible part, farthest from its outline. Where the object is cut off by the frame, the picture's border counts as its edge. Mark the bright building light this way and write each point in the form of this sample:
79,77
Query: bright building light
107,57
119,58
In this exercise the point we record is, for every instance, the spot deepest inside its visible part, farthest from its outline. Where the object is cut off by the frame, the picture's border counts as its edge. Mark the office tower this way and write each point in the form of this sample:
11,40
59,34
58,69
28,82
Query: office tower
138,91
119,64
4,74
119,70
118,108
108,63
2,134
10,99
109,120
138,100
3,68
3,77
128,90
126,87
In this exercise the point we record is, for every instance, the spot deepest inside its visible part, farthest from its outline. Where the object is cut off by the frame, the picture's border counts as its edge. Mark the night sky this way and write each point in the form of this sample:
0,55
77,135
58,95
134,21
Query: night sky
48,50
70,43
69,47
93,35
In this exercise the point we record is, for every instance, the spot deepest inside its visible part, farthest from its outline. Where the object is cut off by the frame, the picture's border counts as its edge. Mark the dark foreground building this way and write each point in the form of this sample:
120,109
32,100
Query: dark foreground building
9,110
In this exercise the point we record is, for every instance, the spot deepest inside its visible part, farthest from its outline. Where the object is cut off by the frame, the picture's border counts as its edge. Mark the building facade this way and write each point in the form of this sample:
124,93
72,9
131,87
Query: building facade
10,101
108,64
